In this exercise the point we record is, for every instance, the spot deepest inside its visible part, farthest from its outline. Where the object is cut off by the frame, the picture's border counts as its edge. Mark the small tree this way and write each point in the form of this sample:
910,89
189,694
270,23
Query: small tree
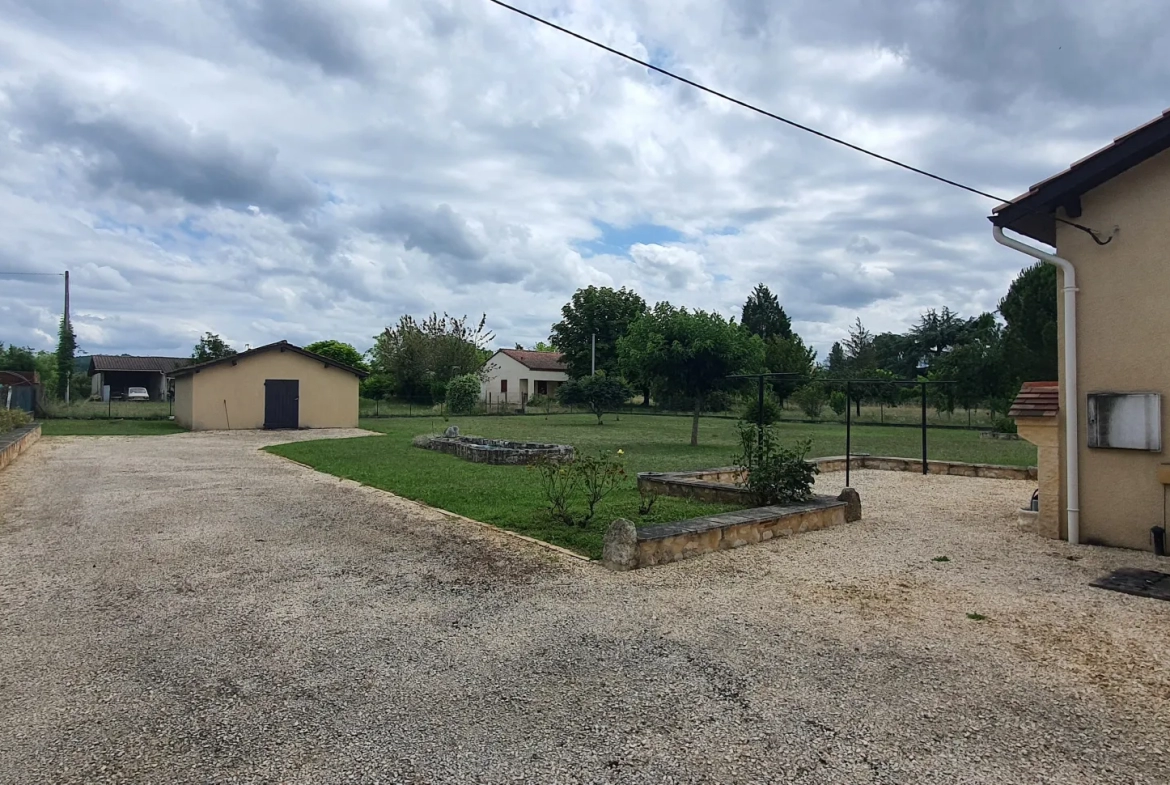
462,393
811,399
211,347
597,393
838,402
774,474
690,352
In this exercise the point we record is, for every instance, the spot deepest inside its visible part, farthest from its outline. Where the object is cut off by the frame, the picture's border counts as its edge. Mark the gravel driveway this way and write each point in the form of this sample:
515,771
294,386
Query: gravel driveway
188,609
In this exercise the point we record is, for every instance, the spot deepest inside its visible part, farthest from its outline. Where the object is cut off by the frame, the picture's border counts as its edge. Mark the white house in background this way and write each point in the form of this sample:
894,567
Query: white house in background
516,375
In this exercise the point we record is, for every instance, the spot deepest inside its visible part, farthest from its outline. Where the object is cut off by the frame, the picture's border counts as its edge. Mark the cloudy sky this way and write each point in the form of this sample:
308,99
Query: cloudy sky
306,169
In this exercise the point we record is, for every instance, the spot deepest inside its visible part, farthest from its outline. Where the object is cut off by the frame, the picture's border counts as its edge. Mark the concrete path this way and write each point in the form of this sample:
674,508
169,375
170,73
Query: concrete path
190,609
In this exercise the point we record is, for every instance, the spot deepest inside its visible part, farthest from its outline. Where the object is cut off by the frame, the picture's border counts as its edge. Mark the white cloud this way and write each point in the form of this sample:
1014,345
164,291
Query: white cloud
314,169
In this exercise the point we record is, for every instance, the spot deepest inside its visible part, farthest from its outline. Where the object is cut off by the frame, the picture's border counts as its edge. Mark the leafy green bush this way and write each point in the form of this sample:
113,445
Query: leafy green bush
13,418
1003,424
462,394
772,473
718,401
597,393
811,399
538,401
771,409
838,402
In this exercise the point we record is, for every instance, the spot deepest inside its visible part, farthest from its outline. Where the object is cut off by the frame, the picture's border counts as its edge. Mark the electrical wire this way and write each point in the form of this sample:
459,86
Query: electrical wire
780,118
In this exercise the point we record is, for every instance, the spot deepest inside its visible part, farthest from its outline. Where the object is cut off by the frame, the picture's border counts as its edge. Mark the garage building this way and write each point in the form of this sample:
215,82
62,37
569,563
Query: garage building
273,386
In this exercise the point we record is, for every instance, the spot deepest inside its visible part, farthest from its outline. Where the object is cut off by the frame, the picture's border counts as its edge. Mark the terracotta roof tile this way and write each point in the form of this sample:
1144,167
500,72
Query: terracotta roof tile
1037,399
537,361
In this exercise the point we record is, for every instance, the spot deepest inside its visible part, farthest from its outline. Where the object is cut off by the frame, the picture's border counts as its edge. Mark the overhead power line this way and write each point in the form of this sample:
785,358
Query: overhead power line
746,105
781,118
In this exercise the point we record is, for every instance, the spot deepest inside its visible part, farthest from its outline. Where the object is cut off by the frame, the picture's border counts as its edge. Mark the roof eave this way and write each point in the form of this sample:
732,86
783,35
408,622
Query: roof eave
1034,214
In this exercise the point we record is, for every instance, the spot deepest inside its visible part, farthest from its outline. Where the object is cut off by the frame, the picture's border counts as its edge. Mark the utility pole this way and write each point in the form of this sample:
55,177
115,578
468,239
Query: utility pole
69,375
593,356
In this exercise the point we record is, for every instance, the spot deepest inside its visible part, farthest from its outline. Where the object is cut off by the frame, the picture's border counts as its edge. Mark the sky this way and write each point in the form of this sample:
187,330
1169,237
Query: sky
310,169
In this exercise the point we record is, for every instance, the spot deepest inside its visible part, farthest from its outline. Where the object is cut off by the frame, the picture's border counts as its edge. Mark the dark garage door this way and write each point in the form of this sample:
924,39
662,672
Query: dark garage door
281,407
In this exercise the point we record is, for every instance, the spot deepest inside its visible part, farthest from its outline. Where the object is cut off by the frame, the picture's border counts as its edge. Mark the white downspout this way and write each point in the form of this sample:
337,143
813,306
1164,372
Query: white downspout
1071,418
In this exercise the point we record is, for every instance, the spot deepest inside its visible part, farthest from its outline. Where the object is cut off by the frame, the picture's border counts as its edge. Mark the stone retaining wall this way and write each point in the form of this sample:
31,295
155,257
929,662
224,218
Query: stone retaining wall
629,548
496,451
17,441
719,485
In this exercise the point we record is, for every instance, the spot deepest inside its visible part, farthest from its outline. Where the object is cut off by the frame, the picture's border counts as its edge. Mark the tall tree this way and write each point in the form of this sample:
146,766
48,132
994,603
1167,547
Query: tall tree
340,351
423,356
690,353
836,362
898,354
789,355
601,311
66,348
1030,337
860,360
937,331
763,316
977,365
211,347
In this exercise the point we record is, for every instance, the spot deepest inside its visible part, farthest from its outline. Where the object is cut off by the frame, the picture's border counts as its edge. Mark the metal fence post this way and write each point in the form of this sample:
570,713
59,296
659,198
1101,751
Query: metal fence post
924,469
848,431
760,414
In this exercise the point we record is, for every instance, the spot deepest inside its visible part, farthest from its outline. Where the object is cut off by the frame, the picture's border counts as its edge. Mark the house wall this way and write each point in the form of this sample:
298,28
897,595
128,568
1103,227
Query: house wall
1122,327
328,395
501,367
183,409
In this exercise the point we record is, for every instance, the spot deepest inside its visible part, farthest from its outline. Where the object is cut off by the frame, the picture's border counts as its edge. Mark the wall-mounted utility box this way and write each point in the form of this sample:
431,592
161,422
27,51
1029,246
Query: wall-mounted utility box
1126,421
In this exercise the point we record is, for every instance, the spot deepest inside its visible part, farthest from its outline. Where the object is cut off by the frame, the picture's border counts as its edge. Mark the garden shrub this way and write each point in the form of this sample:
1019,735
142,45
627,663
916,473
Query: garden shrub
13,418
771,409
811,399
1003,424
774,474
538,401
594,476
838,402
717,401
597,393
462,394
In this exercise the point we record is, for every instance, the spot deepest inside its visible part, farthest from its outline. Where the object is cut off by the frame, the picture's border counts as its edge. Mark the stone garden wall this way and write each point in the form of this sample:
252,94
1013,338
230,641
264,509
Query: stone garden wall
496,451
629,548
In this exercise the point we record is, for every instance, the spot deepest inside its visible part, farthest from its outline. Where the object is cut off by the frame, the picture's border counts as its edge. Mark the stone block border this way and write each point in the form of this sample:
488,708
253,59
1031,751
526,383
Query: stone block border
495,451
17,441
719,485
629,548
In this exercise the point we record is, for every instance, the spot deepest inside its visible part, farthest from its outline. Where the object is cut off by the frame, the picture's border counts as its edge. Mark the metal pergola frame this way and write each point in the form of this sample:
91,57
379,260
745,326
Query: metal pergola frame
797,377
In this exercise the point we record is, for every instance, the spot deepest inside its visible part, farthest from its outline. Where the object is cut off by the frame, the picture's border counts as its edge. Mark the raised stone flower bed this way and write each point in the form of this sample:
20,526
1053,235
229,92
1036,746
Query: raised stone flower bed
629,548
495,451
16,441
721,484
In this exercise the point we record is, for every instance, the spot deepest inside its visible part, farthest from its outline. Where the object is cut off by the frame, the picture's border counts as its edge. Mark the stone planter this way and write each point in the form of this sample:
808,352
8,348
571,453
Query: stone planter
17,441
629,548
496,451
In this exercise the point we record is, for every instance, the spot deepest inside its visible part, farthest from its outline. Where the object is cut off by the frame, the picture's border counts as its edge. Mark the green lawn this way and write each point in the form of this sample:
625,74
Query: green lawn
509,496
108,427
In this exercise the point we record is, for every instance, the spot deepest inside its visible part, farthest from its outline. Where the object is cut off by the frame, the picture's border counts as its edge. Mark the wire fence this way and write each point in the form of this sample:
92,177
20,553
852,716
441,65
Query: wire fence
904,415
106,410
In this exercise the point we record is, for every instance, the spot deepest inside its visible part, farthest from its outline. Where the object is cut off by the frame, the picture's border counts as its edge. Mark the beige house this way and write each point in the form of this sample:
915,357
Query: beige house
273,386
516,375
1108,217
